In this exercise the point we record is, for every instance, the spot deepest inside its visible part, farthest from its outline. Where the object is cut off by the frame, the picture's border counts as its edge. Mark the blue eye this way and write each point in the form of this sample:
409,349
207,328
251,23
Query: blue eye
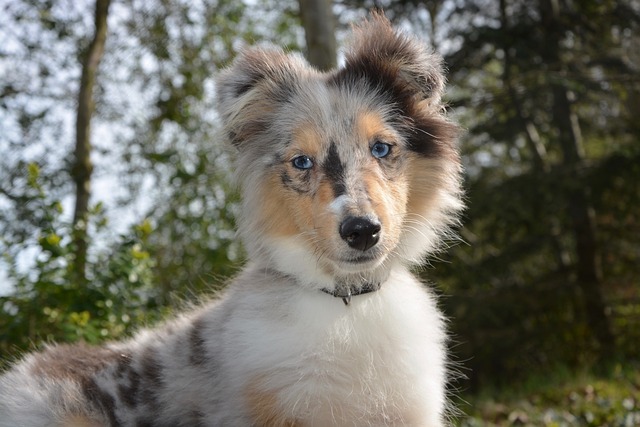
302,162
380,150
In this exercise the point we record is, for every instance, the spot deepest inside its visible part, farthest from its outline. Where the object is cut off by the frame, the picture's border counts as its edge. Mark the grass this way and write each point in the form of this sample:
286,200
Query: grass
560,400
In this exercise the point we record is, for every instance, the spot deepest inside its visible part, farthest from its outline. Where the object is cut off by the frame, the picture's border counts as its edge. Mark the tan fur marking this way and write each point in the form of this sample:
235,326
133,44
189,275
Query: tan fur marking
324,196
264,408
389,202
79,421
378,196
306,140
277,204
426,181
303,214
325,222
370,124
276,209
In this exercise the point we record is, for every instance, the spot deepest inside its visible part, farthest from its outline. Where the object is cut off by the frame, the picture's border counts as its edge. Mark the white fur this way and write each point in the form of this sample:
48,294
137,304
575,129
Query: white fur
340,203
379,361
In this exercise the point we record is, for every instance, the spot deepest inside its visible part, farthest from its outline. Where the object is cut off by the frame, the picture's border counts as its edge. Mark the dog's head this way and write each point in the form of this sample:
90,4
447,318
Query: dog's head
343,173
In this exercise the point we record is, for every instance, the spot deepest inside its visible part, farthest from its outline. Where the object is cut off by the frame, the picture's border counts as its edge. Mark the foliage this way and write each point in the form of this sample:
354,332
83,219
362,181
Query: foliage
563,400
517,299
49,304
40,73
511,299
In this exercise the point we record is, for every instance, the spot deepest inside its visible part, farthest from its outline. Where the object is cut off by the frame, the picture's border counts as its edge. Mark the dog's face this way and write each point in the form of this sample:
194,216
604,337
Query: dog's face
342,173
339,185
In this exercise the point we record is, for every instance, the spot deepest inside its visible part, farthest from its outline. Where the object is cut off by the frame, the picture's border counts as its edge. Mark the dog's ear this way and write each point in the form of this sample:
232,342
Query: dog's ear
392,60
258,78
406,73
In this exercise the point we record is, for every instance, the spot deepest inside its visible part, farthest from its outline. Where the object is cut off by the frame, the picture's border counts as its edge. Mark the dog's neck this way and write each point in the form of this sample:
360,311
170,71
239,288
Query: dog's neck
346,292
345,287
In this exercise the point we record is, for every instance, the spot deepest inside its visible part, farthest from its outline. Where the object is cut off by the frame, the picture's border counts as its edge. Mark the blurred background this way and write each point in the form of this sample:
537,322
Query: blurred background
116,206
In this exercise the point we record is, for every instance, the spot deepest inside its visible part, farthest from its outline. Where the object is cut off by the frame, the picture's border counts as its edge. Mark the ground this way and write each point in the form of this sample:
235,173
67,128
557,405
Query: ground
561,400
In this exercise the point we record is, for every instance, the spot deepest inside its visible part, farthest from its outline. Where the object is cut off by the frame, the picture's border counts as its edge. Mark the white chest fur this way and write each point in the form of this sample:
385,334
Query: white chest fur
378,361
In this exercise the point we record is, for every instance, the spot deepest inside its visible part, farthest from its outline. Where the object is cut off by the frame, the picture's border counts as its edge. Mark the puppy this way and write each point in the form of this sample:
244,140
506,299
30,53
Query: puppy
348,178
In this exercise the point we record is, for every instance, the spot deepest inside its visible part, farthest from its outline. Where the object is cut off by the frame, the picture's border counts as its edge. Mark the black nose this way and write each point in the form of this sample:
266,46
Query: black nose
359,232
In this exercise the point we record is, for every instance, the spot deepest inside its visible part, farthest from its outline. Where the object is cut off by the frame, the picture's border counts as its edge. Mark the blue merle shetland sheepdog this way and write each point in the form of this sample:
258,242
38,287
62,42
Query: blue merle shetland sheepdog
348,178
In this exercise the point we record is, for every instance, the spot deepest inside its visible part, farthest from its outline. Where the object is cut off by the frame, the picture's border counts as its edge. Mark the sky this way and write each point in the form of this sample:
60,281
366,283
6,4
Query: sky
44,70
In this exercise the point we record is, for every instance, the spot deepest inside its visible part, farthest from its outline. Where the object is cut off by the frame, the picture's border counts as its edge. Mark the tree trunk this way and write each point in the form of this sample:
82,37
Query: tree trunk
536,147
83,167
540,163
320,33
582,214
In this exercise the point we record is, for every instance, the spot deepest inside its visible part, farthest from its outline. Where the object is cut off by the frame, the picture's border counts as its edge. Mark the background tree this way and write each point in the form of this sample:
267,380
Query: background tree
542,88
83,167
320,33
582,214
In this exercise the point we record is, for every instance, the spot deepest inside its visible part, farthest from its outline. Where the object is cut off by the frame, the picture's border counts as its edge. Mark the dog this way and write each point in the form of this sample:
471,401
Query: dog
348,178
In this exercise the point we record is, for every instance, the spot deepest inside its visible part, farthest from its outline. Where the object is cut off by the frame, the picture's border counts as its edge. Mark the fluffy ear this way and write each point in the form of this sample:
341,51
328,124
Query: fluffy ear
247,90
389,57
407,74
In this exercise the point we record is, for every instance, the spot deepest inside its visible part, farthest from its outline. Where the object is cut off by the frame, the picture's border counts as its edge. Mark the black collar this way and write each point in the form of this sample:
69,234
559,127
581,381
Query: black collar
347,293
344,292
